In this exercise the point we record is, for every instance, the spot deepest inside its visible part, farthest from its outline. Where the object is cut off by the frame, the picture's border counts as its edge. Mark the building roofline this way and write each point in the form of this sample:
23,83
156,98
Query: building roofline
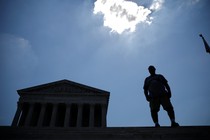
61,81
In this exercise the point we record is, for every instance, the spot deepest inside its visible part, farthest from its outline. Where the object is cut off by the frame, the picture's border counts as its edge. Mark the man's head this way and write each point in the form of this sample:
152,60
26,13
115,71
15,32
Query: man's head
151,69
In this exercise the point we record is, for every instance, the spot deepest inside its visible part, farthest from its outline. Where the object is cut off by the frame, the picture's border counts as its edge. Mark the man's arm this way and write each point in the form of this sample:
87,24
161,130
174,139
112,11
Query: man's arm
165,82
168,89
146,95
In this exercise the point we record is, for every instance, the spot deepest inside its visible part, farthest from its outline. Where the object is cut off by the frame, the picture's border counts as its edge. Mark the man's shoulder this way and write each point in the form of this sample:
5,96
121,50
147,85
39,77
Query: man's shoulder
160,76
148,77
152,76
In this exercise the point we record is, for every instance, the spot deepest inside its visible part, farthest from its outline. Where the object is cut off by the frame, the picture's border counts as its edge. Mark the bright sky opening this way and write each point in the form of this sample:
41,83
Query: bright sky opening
122,15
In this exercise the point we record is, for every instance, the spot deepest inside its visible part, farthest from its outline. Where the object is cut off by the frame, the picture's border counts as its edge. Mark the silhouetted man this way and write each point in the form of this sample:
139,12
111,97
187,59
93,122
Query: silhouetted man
157,92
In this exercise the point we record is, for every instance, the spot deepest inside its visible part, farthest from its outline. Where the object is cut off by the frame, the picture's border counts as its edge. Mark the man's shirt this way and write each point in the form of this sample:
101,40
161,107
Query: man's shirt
155,84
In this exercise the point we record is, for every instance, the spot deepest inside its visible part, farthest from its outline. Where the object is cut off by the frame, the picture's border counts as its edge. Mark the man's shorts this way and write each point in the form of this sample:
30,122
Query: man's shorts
164,101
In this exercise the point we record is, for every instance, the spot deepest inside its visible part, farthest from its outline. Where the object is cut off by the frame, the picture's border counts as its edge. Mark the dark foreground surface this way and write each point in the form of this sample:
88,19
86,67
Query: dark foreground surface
109,133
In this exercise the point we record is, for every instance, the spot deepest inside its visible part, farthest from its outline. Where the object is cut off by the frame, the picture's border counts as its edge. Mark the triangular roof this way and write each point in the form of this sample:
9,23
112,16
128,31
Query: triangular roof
62,86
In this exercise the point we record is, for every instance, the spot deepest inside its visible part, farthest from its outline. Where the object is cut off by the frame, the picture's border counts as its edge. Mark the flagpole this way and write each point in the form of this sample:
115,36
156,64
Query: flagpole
205,44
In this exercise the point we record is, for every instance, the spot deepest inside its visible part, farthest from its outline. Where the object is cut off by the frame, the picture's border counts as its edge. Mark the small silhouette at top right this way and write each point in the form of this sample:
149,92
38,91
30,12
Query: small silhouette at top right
205,44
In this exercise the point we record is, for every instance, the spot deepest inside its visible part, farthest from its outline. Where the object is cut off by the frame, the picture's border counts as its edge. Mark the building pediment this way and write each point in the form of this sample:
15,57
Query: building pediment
62,86
61,104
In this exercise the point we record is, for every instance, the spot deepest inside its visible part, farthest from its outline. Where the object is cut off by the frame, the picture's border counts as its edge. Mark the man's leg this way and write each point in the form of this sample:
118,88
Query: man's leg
166,103
171,114
154,108
154,114
172,117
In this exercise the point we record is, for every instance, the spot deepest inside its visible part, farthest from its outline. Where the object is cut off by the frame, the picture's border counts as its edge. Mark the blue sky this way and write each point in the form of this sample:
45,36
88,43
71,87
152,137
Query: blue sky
46,41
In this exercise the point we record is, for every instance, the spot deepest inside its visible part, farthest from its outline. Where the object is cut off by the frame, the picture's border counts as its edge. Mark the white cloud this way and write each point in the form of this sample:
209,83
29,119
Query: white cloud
15,42
15,51
157,4
122,15
194,1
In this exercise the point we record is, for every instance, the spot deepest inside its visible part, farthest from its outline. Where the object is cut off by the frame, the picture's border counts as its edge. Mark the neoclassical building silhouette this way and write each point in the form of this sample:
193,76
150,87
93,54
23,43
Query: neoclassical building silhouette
61,104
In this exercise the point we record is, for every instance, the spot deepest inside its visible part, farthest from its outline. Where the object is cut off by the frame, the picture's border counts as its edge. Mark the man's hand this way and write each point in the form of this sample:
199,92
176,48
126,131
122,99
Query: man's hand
146,95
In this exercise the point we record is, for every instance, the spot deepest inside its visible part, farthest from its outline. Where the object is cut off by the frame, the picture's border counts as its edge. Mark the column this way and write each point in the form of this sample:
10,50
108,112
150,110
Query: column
91,118
103,123
29,115
67,115
41,115
24,112
79,115
17,114
54,114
